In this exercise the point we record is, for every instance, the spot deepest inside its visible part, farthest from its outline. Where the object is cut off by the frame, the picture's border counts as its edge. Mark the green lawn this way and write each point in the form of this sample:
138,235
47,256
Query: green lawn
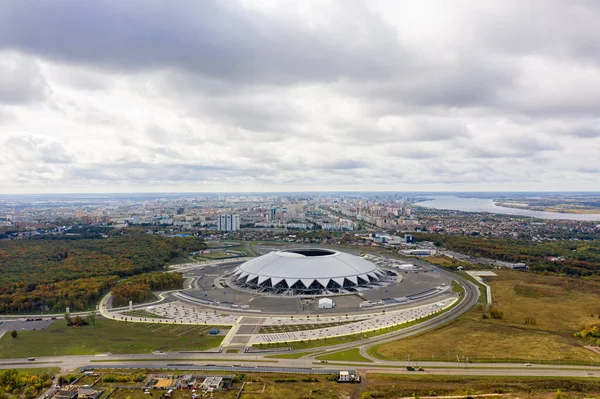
107,336
482,290
348,355
180,261
456,287
215,256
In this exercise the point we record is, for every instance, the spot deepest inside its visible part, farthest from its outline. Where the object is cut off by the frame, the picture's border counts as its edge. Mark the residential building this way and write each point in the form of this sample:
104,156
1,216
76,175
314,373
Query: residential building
228,222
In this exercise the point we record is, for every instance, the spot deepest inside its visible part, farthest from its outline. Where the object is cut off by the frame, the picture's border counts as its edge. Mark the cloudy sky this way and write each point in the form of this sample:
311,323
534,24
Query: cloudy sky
262,95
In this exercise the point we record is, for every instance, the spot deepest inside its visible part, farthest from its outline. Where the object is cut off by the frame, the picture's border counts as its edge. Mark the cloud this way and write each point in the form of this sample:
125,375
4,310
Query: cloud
21,81
257,96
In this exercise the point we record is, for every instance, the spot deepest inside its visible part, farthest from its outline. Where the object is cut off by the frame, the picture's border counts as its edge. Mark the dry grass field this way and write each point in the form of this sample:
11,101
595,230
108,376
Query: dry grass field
556,307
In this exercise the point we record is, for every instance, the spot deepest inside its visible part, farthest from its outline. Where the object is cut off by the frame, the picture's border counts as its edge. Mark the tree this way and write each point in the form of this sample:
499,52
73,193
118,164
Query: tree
13,333
91,318
496,314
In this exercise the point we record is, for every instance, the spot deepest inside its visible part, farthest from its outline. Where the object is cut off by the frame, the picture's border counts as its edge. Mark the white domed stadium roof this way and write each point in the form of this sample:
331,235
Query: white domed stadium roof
307,269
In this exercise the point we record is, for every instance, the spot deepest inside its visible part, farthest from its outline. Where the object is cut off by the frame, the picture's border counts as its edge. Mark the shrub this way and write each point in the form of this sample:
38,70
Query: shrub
280,379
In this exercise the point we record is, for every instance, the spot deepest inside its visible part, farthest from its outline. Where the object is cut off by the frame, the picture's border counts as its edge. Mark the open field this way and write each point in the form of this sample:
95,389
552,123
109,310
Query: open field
348,355
106,336
397,386
558,306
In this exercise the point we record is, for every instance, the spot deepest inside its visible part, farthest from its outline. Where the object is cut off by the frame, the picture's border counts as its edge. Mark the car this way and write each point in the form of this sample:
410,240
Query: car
409,368
527,364
420,369
31,359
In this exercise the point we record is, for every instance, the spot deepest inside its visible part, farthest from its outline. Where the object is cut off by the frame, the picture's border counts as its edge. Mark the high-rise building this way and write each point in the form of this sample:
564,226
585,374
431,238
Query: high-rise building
228,222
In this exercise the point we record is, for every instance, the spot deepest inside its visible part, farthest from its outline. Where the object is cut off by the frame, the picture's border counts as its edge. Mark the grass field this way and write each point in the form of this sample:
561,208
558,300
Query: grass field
348,355
451,263
560,306
106,336
397,386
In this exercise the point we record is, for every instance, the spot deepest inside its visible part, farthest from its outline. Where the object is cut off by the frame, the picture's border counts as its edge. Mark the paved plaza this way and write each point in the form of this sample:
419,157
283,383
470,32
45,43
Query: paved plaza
367,323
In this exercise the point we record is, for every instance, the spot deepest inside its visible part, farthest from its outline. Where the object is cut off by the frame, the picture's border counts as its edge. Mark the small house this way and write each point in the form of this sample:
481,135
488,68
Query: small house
348,376
88,393
211,384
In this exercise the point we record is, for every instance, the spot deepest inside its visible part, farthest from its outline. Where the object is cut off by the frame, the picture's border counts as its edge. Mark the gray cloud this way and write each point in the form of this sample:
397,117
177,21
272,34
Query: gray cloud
21,81
212,38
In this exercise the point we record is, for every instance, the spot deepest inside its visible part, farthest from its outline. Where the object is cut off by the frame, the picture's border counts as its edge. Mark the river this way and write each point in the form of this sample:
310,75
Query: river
488,205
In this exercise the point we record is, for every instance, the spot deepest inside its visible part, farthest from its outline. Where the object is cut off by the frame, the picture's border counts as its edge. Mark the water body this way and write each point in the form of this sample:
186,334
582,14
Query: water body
488,205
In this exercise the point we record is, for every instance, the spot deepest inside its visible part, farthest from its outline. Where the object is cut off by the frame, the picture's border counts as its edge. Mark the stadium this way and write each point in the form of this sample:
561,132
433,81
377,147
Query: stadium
309,271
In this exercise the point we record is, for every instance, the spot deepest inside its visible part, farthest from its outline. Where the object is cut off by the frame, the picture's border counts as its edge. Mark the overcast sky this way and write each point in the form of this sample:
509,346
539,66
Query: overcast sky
251,95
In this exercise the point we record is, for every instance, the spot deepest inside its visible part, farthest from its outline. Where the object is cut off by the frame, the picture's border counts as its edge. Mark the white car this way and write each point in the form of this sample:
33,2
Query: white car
527,364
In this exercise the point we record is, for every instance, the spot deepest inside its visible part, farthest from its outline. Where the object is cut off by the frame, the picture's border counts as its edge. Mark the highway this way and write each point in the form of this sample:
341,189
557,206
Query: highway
258,363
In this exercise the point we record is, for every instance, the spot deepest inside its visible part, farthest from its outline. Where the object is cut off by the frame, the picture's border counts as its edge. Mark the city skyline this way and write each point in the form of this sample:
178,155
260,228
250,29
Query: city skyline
259,97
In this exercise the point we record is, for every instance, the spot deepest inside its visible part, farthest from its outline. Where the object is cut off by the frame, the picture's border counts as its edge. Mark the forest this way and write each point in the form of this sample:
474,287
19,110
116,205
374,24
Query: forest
41,274
138,289
21,384
581,257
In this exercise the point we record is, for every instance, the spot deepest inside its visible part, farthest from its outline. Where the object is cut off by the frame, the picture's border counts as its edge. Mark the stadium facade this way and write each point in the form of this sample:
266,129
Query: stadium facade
309,272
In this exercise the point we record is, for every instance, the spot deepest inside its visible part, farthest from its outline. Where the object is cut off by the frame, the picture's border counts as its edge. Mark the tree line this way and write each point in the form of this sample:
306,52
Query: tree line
581,258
